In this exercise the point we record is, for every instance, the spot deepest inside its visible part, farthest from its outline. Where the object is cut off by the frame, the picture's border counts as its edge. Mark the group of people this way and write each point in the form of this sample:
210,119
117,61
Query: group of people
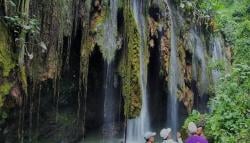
195,135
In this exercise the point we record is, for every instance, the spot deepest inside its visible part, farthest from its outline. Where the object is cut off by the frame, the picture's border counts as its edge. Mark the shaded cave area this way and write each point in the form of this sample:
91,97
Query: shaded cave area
157,91
49,113
95,100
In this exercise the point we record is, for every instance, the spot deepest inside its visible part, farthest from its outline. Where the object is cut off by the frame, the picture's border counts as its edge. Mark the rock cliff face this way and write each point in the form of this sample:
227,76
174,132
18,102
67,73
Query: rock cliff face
52,60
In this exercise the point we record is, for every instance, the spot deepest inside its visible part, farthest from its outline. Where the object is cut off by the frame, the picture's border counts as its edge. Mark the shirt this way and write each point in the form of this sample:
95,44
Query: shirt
196,139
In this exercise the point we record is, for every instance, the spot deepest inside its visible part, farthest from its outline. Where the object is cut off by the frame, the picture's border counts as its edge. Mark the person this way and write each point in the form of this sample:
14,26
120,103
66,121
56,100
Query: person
149,137
194,138
167,138
200,128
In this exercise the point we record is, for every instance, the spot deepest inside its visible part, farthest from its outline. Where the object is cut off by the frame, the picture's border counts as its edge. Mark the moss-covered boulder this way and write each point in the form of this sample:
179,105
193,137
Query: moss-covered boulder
7,65
6,60
130,67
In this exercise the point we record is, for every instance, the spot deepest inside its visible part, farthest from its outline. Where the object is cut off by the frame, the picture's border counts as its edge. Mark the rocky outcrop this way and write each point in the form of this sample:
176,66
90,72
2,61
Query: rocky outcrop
8,79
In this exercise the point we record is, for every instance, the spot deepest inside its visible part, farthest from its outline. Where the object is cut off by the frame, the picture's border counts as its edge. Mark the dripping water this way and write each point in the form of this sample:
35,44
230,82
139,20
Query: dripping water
137,127
217,56
109,102
199,61
174,73
110,32
199,68
109,49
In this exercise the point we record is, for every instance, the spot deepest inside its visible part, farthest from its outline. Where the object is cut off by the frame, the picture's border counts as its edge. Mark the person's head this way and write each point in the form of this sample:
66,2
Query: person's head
149,136
199,131
192,129
166,133
200,128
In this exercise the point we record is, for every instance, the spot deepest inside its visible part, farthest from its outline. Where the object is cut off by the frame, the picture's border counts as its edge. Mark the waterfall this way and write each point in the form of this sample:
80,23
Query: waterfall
137,127
217,56
109,42
199,61
109,103
174,74
109,48
199,68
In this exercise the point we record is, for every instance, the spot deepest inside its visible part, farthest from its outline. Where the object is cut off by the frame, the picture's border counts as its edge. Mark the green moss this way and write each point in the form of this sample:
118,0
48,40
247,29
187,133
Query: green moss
103,19
130,68
23,78
4,90
7,64
98,20
6,61
65,16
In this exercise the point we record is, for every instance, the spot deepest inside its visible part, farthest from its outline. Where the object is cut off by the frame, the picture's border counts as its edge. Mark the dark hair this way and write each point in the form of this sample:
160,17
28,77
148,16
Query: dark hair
201,124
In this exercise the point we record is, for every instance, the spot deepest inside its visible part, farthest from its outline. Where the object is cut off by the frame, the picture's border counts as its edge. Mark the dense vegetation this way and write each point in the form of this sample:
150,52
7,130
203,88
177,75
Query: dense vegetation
229,119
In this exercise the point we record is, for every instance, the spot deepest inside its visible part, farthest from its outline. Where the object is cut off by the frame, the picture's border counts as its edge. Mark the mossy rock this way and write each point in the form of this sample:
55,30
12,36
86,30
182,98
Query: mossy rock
4,90
6,61
130,68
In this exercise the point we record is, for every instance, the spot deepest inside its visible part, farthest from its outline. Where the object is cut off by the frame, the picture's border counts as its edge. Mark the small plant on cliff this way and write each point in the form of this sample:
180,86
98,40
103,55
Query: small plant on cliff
18,24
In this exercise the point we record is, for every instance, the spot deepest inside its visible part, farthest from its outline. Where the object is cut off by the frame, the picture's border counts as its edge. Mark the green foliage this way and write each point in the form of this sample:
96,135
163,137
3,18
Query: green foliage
195,117
216,65
23,24
193,10
229,119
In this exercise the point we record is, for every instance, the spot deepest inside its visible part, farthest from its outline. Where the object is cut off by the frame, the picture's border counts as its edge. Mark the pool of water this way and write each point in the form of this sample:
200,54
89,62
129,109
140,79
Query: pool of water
102,139
98,138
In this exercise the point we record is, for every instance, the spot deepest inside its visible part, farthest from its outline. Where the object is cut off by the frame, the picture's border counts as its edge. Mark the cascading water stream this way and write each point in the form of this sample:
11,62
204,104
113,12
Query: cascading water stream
174,73
109,42
137,127
199,62
217,56
199,68
109,48
109,110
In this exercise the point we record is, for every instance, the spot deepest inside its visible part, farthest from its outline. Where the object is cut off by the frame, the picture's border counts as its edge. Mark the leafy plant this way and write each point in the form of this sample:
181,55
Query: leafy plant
18,24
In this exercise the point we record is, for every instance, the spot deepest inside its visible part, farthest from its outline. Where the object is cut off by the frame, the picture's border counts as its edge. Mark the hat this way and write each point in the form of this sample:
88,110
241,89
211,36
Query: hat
149,134
192,127
165,132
